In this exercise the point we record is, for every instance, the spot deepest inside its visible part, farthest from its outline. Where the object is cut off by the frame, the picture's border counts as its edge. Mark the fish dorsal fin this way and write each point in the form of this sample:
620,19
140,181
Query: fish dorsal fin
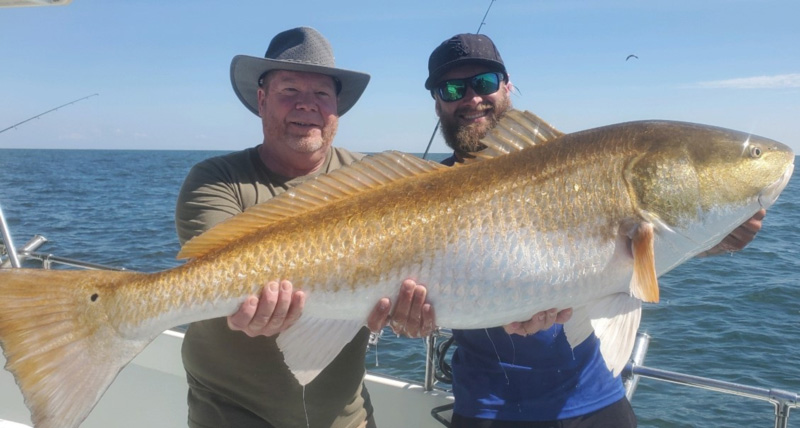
516,131
369,173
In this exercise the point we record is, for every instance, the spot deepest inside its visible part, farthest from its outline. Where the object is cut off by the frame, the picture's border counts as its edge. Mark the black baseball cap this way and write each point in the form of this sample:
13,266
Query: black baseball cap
463,49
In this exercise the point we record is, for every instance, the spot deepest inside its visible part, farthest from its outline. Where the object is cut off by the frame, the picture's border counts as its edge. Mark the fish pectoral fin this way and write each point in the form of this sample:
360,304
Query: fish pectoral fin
644,282
614,320
311,344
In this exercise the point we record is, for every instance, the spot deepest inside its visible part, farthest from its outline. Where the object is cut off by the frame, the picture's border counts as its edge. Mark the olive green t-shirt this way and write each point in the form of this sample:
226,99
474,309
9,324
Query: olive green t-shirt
239,381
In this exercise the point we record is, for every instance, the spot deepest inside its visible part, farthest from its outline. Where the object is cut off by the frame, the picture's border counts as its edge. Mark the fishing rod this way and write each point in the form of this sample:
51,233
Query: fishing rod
48,111
438,122
483,21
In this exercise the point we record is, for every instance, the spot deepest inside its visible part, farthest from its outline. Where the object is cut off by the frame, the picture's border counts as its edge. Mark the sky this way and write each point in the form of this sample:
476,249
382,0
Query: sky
161,68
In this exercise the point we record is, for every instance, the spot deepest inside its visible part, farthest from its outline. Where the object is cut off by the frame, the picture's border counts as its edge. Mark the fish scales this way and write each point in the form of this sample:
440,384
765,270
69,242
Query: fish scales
375,249
344,245
586,220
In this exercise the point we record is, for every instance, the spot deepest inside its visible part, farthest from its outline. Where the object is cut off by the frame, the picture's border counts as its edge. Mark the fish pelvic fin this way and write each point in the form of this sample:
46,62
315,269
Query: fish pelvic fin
614,320
62,354
369,173
329,338
644,282
516,130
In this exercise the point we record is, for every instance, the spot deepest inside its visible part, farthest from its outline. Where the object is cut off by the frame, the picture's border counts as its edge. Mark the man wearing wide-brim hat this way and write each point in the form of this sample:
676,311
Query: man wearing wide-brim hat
236,373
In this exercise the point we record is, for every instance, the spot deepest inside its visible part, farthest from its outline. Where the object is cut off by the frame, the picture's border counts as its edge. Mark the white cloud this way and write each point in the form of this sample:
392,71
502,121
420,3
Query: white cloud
756,82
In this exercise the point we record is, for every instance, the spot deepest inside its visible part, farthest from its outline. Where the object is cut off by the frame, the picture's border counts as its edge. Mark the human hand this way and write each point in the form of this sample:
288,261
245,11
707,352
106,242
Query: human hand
412,317
739,237
269,313
541,321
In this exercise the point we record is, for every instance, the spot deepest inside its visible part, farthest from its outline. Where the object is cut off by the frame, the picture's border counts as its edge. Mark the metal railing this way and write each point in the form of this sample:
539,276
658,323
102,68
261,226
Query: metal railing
8,243
11,257
783,401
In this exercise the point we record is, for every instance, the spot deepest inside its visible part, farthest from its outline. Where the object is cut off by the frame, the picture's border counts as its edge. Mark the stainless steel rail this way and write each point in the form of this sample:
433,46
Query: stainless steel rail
783,401
48,260
15,257
630,379
29,247
8,242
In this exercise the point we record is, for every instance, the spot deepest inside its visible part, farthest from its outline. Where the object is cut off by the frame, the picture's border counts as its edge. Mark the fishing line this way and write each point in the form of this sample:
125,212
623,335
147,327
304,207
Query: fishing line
513,348
499,361
439,121
305,409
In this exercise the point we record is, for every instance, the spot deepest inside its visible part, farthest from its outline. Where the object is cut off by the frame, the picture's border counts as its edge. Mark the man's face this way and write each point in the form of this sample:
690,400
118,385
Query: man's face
298,111
464,122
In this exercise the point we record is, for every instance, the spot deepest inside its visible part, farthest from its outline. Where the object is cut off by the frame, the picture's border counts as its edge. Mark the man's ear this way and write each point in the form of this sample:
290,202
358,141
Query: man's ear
509,86
262,100
438,109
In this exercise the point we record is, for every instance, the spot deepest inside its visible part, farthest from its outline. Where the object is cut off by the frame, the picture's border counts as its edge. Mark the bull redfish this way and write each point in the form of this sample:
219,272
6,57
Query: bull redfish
538,220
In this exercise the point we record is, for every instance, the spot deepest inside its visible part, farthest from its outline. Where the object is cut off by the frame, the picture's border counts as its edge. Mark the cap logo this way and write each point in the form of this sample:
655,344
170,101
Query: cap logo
457,48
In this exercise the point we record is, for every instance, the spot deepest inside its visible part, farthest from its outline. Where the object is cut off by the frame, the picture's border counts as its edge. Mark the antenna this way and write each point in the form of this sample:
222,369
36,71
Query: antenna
48,111
436,128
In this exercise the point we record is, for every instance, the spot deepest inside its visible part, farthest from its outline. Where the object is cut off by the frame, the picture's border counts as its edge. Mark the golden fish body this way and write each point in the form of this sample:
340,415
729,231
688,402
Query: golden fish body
585,220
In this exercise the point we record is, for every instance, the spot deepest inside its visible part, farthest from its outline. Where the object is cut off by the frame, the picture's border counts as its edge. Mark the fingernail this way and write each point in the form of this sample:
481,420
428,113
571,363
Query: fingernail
285,286
273,287
252,301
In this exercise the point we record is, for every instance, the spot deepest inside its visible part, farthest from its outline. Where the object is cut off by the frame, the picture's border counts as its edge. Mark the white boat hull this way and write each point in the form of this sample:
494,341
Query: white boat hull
151,392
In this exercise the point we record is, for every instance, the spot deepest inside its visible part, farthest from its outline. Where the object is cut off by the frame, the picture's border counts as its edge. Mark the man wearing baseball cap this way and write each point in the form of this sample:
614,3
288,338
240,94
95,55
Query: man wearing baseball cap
524,374
236,373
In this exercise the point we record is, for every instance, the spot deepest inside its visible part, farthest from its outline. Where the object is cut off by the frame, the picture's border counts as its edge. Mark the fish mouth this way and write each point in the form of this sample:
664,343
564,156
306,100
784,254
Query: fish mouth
770,194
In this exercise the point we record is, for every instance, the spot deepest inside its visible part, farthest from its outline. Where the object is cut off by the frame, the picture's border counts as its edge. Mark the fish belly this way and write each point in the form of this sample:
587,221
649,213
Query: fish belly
489,279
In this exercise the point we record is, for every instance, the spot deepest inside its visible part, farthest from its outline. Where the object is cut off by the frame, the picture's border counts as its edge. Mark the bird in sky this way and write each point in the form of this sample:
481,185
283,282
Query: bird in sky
631,56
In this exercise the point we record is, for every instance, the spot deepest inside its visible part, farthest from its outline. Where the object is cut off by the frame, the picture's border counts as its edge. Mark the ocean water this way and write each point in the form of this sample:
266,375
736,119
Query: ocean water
732,317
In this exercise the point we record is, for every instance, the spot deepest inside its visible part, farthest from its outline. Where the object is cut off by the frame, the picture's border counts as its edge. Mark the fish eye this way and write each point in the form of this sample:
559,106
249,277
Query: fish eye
755,152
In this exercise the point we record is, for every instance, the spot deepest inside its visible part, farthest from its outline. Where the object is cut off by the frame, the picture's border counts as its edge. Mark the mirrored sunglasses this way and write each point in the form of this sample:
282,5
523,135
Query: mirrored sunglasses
483,84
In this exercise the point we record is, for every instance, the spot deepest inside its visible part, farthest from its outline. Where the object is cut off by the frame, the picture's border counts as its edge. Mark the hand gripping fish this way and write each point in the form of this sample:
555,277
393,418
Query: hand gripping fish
537,220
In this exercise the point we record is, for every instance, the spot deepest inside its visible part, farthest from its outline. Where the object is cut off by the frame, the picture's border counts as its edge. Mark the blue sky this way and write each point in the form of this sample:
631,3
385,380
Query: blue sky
161,68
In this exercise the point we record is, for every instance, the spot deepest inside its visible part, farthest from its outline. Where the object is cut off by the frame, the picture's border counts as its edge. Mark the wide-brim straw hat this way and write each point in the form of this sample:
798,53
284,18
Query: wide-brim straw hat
298,49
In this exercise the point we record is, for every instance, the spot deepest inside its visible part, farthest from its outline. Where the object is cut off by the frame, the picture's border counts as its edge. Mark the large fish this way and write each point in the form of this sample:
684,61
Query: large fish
587,220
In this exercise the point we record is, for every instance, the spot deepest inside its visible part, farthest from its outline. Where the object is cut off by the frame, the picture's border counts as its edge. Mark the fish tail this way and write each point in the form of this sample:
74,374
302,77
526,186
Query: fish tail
57,341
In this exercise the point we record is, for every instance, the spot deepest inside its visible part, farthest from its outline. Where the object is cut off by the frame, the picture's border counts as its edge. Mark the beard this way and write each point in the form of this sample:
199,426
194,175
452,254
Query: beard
465,139
275,130
310,144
